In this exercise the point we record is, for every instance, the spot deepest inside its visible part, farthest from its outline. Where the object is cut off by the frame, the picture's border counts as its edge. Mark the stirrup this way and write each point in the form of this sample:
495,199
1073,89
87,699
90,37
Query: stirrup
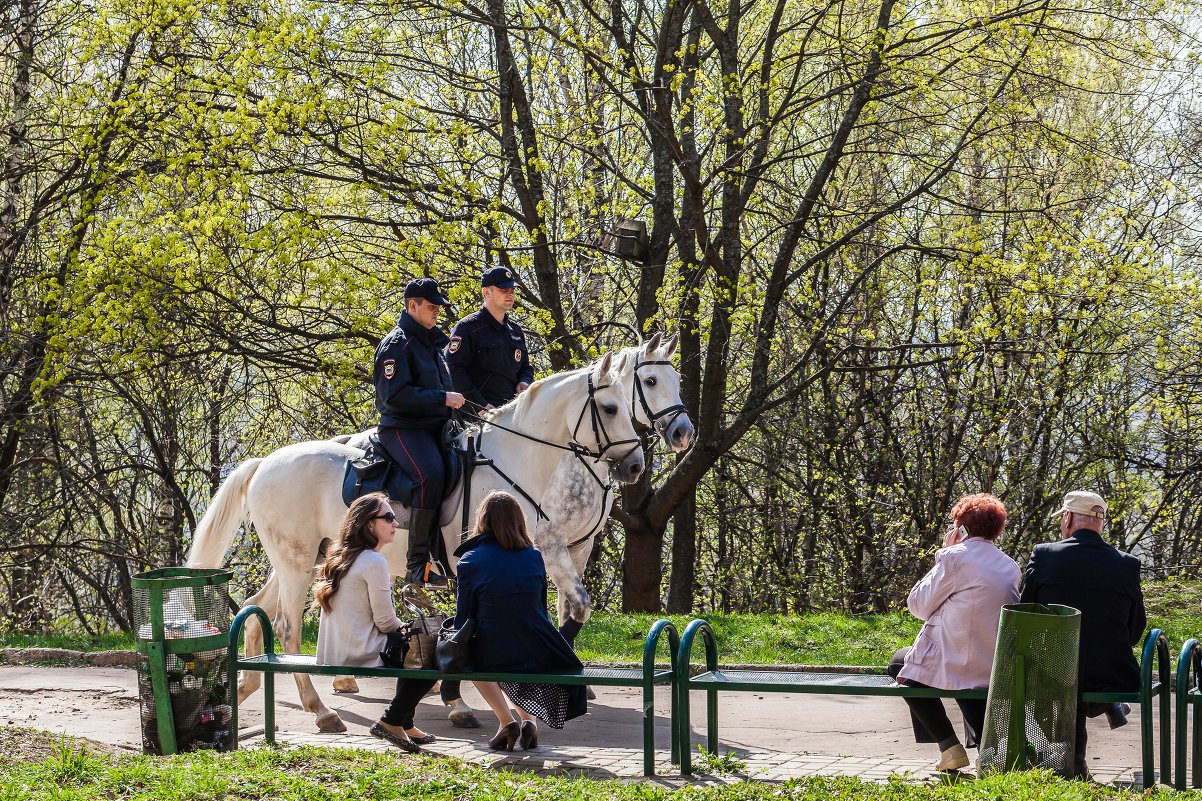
426,577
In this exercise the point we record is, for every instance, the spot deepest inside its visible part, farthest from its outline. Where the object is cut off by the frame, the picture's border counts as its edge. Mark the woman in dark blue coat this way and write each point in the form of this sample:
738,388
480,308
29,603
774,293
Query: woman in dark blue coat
503,586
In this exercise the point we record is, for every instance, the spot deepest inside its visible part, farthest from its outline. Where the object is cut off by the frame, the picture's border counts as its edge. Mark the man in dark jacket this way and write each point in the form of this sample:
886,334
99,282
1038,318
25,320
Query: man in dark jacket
487,353
414,398
1087,573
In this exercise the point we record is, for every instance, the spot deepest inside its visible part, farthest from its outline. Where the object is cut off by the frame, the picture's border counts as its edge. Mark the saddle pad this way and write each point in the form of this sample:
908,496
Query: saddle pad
363,476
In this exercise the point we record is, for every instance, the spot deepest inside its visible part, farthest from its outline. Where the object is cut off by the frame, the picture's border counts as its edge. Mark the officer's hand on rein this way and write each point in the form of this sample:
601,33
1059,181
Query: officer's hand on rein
523,386
454,400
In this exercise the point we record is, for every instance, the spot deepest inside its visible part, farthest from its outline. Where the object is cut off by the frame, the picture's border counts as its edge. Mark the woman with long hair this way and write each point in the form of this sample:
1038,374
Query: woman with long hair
357,612
503,586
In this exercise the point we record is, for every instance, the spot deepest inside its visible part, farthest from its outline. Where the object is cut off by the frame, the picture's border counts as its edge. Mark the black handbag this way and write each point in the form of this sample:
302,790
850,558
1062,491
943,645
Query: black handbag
396,647
453,654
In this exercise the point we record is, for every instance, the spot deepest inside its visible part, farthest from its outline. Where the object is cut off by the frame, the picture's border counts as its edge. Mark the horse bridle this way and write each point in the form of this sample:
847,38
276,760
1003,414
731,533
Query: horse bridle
637,393
604,442
601,436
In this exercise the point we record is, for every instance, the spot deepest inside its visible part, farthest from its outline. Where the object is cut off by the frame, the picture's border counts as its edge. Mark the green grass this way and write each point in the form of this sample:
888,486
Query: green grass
314,774
820,638
815,639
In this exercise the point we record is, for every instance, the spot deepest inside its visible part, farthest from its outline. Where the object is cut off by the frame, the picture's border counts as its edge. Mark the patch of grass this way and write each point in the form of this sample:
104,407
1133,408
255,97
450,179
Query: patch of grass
726,762
72,641
821,638
316,773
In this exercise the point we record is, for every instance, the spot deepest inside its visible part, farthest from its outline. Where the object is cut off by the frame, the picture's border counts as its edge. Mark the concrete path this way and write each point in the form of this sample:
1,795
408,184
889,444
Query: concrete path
778,736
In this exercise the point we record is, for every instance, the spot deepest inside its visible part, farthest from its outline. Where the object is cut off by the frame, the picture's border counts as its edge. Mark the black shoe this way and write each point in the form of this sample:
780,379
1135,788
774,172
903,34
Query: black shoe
425,739
1116,715
426,577
401,741
529,735
506,737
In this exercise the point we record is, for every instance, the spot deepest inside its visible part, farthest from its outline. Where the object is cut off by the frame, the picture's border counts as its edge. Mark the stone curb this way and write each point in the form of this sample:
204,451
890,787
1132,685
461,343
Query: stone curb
27,656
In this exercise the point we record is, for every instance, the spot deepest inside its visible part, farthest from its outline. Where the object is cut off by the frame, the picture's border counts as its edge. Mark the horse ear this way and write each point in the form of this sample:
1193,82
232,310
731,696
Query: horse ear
605,366
670,346
653,344
620,361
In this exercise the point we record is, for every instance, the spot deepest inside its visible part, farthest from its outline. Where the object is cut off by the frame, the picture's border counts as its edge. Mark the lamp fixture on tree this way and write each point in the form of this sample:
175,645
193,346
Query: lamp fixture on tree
628,240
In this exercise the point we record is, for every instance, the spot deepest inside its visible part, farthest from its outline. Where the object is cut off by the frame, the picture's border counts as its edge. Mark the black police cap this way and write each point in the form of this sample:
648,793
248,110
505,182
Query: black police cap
500,277
426,288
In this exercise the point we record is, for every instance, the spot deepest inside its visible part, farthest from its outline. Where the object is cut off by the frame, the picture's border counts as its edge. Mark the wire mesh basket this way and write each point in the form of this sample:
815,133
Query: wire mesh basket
183,621
1030,717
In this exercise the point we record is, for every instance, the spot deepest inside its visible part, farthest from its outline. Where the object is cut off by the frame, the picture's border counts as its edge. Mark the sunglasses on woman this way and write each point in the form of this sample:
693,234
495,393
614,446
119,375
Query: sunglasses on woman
390,516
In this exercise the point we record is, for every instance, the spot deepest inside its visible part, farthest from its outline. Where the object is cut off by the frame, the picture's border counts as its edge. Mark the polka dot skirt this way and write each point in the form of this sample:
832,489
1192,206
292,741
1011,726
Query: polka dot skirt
547,702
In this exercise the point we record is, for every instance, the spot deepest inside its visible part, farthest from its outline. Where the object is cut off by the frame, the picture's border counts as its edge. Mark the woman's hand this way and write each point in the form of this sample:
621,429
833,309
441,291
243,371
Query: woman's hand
953,536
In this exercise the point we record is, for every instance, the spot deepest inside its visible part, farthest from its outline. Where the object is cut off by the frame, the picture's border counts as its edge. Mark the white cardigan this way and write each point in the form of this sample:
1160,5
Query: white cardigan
961,601
361,613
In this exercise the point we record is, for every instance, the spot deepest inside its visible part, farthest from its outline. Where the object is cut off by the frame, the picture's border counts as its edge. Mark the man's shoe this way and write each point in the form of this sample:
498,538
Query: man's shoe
1116,715
953,758
426,577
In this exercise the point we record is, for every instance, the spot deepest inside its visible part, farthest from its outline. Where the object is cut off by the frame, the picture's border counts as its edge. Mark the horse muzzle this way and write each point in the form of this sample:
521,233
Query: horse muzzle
630,467
680,433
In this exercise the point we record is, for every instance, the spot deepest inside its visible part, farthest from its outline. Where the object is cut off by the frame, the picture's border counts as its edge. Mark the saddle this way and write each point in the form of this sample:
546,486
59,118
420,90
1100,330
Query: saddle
375,471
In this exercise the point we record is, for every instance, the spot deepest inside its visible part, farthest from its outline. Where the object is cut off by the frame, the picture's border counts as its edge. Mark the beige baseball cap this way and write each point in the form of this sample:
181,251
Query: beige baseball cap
1083,502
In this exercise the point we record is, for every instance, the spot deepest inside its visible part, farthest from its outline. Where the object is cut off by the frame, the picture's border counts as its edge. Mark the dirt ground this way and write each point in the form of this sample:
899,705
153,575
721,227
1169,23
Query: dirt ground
101,704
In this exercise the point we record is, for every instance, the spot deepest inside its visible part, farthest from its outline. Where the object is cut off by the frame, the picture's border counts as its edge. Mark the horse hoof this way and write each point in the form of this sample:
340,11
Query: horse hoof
330,722
464,720
588,692
346,684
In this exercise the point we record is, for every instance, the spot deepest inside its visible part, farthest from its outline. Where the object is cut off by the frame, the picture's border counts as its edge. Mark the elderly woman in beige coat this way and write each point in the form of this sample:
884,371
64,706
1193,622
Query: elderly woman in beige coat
960,600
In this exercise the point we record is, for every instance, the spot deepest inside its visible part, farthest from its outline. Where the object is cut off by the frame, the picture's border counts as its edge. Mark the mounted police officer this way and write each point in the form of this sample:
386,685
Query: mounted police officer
414,396
487,353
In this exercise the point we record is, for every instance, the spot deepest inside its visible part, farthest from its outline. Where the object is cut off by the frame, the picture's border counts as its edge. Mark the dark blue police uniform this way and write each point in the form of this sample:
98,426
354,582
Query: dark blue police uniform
488,358
412,381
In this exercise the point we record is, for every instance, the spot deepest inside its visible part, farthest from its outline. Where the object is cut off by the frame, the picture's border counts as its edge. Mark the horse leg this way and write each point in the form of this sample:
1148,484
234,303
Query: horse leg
462,716
267,599
292,606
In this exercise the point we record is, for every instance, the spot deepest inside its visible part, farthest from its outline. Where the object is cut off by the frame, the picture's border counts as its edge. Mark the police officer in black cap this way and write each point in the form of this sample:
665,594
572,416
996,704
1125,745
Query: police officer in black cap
414,396
487,352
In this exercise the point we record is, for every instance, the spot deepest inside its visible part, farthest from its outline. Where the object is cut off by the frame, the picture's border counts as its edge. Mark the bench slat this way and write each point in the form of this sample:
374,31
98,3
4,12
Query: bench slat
876,684
307,663
771,681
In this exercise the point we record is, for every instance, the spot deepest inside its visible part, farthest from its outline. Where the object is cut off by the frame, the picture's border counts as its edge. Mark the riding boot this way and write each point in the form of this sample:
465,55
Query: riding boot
423,526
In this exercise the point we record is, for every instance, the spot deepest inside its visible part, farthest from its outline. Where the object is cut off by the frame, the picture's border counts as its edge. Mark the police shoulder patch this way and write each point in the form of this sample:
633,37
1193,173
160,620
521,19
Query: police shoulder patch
389,368
517,354
454,345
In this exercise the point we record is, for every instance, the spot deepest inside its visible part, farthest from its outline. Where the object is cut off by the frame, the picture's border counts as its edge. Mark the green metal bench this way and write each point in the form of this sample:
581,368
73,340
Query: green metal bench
271,663
1189,696
877,683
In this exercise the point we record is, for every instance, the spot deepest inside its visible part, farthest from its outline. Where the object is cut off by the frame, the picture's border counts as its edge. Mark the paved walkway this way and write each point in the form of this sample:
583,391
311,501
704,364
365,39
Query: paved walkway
777,736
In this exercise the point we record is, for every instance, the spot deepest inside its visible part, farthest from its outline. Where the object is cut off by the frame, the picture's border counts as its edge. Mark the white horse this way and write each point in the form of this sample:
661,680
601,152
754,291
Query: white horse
293,497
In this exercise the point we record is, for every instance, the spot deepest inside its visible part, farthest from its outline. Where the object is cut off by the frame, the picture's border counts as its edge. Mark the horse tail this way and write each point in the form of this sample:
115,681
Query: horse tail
221,520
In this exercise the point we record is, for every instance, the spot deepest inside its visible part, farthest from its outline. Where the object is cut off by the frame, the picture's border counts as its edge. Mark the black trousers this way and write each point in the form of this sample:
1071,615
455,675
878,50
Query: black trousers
418,453
929,717
408,693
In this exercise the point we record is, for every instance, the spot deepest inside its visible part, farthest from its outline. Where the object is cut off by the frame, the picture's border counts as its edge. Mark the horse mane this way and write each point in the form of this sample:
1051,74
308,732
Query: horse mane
517,406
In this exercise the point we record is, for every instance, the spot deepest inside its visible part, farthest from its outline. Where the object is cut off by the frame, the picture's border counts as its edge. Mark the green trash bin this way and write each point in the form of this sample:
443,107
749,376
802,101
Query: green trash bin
183,624
1031,714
